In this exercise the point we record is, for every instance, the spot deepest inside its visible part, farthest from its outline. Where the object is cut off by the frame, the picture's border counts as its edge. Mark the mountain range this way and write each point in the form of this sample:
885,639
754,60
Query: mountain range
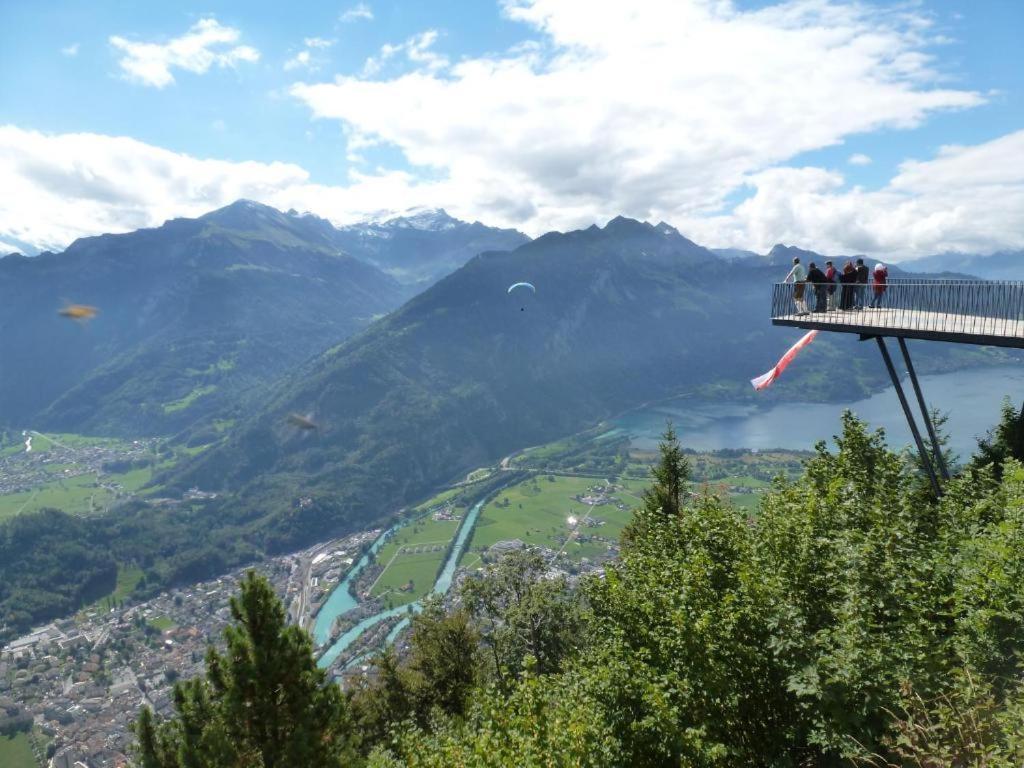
1004,265
198,313
466,372
219,329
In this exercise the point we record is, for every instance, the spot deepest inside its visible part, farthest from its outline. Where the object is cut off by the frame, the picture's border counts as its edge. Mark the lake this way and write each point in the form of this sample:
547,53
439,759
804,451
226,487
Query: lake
972,399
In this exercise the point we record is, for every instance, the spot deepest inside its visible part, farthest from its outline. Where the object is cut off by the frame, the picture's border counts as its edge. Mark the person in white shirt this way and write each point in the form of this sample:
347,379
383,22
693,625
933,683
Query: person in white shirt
799,276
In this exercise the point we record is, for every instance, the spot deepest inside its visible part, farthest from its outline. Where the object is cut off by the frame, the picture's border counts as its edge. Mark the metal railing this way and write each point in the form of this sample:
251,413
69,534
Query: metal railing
957,307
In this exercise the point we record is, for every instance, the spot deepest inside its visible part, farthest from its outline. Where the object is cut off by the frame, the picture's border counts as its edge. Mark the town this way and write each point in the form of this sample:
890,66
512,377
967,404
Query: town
81,682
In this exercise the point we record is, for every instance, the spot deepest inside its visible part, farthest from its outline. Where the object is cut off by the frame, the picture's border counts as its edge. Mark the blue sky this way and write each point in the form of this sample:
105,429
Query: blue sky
815,122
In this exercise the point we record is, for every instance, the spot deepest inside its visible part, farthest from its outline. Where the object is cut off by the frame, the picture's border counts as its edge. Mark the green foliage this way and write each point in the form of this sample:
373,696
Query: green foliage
1005,441
968,724
671,475
436,679
522,616
854,619
263,703
547,722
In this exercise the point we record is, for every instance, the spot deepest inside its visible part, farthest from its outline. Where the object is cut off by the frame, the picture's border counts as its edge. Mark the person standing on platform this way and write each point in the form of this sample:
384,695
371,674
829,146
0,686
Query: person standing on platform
830,278
799,276
848,280
817,278
880,279
862,284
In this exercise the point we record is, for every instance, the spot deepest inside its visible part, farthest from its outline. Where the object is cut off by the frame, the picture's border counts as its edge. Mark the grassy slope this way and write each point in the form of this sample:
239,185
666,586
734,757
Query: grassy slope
16,752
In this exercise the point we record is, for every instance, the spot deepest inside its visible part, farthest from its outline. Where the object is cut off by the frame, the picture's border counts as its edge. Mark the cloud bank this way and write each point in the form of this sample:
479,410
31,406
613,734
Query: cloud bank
658,109
65,186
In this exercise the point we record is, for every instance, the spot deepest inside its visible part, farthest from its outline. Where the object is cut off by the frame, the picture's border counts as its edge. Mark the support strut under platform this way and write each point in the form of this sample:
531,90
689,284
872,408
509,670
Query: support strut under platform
940,460
926,460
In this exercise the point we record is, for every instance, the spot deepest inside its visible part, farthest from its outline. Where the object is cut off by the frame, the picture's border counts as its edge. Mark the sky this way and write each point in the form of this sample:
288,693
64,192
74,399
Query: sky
894,129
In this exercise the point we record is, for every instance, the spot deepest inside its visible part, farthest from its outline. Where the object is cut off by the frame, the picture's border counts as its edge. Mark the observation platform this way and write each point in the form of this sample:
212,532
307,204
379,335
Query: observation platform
960,311
965,312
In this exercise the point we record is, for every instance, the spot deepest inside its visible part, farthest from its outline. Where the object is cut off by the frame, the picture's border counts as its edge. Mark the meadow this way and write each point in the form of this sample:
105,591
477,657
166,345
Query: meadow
16,752
415,554
537,512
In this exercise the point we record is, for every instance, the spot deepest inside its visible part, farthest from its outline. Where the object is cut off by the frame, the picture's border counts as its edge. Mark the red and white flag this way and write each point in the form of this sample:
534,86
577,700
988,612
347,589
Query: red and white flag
766,379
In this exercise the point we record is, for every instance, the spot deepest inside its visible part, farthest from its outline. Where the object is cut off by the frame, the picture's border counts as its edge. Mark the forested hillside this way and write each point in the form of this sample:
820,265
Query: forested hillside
854,620
466,373
196,316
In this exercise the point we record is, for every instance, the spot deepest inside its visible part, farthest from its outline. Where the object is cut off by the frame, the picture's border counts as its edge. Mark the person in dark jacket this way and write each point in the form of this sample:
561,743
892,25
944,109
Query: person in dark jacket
830,276
817,278
849,282
862,284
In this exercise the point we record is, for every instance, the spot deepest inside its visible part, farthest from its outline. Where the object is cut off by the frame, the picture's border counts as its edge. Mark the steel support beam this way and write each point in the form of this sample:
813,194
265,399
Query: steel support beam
940,461
925,458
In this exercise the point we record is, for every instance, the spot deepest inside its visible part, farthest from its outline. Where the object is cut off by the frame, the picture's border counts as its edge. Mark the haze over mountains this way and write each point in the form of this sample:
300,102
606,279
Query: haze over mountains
465,373
216,329
198,312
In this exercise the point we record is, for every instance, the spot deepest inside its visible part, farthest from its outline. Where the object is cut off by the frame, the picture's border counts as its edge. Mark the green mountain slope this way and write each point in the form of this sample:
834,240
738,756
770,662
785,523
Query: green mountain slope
196,316
465,373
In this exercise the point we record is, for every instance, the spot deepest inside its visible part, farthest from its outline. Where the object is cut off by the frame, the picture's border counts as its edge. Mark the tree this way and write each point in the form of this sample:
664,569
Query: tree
521,614
436,678
1005,441
671,475
263,702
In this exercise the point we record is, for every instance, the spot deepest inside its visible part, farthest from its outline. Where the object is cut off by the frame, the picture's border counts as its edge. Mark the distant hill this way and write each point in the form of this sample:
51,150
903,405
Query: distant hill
465,373
194,315
1006,265
423,246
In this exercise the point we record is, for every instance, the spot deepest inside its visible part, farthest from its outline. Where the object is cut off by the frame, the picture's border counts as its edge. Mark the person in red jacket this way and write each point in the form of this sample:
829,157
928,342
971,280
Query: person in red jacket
830,275
880,279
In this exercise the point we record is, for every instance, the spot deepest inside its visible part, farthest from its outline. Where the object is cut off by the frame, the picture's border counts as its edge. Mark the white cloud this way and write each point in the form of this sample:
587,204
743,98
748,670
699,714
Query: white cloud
304,59
301,59
219,125
70,50
658,109
60,187
358,12
207,43
859,159
65,186
417,50
968,199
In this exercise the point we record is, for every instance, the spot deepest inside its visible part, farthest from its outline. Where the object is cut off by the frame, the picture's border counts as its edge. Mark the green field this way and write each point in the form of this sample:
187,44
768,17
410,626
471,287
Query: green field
79,494
127,579
439,499
16,752
414,553
76,495
536,512
162,623
191,397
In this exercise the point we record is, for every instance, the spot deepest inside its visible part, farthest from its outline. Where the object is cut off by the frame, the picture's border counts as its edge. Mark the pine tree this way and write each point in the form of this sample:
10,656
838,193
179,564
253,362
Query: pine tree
1005,441
671,475
263,702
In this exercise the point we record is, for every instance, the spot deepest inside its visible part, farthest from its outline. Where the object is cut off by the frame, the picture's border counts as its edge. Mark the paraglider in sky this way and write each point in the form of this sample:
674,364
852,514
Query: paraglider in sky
302,422
80,312
521,286
765,379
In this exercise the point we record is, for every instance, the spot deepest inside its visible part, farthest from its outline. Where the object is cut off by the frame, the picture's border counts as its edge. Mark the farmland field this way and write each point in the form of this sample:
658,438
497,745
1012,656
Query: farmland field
415,554
16,752
537,512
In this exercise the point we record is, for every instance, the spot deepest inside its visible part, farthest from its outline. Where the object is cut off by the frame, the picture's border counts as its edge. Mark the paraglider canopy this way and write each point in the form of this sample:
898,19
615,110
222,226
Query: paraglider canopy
521,285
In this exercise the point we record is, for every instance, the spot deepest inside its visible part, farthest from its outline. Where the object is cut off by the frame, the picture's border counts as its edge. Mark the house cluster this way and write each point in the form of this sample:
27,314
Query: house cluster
22,470
84,680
